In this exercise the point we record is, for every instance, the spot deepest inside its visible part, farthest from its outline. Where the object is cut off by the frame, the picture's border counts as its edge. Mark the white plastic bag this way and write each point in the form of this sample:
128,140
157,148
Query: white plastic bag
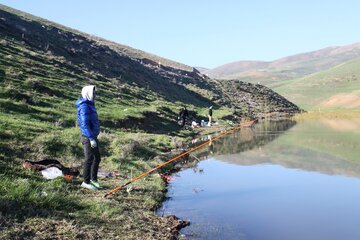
51,173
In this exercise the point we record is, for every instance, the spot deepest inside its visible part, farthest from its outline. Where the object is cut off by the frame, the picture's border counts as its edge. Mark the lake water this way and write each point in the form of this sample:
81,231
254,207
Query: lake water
276,180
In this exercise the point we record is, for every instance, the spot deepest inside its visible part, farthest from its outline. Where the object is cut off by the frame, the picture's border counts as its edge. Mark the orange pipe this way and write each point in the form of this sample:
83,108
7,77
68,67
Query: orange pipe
177,157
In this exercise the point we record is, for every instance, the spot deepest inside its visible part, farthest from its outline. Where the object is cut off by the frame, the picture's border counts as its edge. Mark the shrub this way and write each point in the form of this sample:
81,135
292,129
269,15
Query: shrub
34,83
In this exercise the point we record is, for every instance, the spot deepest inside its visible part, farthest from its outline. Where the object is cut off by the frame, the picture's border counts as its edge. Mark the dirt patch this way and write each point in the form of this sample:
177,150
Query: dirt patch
351,100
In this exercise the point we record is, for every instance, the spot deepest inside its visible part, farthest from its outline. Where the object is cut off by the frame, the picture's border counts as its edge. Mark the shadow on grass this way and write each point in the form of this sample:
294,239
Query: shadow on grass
10,106
145,153
151,122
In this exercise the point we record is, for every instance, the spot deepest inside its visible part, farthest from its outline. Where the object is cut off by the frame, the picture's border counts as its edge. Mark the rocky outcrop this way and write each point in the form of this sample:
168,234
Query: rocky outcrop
256,101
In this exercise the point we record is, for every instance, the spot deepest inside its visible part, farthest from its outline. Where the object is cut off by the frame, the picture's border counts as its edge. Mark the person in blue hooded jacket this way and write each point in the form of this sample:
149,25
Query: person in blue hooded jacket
90,128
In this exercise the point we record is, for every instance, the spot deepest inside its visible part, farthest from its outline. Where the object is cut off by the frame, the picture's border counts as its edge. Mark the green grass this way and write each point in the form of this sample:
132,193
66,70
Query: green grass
309,92
26,197
38,120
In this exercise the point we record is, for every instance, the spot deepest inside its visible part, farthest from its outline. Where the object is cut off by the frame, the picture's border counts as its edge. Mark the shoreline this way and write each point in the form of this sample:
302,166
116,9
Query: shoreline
59,209
188,163
170,226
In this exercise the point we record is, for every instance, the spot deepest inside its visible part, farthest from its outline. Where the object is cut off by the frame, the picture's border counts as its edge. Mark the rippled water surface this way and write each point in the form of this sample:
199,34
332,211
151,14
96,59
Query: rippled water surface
277,180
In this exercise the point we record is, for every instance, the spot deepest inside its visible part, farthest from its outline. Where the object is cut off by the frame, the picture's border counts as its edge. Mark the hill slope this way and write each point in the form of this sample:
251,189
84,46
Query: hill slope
336,88
43,67
286,68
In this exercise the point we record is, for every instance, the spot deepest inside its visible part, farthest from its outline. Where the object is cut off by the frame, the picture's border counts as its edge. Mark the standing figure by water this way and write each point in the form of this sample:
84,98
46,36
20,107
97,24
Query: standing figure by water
90,128
183,114
210,115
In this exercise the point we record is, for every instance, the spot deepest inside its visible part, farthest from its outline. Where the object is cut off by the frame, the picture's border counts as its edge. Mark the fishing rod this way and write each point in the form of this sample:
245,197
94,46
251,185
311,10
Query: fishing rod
177,157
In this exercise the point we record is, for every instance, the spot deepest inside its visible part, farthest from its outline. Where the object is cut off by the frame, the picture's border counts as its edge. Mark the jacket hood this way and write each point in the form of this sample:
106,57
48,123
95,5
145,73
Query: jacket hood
88,92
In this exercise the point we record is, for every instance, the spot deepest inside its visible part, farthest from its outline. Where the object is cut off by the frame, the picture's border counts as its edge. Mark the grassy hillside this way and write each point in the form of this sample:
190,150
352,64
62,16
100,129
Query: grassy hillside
125,50
333,89
286,68
43,67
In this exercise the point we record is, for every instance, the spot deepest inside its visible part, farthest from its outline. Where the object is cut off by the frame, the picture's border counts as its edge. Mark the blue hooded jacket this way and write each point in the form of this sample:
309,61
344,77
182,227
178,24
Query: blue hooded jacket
87,117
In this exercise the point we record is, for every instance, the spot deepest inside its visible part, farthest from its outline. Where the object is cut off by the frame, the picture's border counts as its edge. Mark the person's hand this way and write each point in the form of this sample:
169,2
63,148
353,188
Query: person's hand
93,143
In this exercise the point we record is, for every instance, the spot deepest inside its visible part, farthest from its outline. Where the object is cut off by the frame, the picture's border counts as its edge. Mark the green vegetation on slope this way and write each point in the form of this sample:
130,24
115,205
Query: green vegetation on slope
38,120
333,89
38,90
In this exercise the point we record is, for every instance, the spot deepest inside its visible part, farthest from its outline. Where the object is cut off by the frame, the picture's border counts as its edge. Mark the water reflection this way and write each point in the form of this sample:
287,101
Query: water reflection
245,139
277,180
326,146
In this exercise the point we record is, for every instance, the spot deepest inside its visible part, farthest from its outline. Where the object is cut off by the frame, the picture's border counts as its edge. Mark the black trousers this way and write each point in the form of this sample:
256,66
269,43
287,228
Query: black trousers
92,160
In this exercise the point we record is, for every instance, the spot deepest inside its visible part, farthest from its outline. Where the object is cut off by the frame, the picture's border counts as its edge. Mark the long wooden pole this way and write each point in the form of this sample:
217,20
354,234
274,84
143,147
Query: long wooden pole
177,157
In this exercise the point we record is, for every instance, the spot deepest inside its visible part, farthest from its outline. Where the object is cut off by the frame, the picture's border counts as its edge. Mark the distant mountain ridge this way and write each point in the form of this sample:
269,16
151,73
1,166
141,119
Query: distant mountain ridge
286,68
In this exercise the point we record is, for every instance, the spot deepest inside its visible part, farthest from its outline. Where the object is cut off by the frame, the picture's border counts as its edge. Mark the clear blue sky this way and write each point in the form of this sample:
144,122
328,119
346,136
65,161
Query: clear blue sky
209,33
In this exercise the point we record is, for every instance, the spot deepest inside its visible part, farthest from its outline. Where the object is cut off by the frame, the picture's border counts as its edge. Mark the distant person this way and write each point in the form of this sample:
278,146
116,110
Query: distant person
90,128
183,114
210,113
